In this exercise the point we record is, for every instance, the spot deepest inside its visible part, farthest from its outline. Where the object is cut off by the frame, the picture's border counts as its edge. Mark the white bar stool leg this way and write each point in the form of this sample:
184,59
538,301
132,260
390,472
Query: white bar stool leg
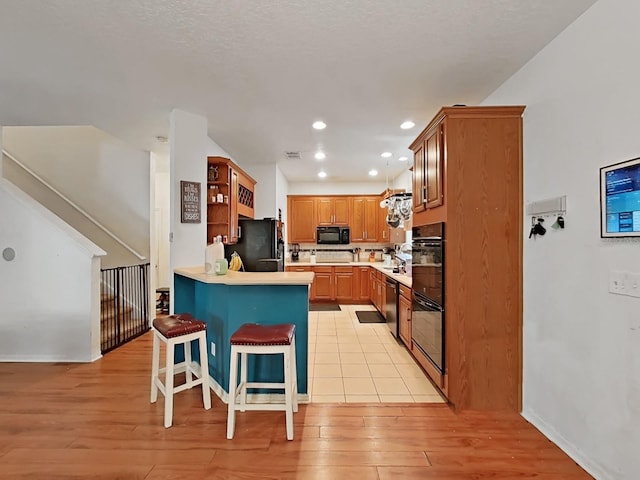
187,359
204,371
155,360
168,385
233,379
288,393
244,366
294,374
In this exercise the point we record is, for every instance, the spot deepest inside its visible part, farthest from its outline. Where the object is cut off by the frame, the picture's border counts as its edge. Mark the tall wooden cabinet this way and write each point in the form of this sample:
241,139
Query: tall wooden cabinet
468,174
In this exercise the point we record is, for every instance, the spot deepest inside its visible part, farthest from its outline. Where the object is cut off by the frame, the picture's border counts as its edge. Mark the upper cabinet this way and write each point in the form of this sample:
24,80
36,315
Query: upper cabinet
362,213
428,159
230,194
332,210
364,219
301,219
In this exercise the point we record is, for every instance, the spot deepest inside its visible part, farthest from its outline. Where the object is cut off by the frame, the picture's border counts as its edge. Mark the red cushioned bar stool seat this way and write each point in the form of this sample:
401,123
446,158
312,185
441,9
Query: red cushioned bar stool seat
175,330
253,338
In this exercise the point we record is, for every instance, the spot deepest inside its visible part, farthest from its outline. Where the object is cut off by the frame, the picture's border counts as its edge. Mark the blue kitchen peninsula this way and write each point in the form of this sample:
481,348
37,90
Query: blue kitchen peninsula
224,302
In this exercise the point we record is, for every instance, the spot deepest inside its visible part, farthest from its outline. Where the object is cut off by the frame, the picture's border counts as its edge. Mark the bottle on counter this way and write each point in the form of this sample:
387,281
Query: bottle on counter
213,252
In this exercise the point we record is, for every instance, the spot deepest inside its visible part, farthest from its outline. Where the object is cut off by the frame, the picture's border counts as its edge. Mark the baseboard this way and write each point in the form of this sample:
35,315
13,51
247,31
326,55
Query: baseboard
567,447
41,359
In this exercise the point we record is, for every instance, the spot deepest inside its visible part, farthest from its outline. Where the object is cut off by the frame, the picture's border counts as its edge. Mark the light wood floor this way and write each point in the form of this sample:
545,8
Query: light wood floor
94,421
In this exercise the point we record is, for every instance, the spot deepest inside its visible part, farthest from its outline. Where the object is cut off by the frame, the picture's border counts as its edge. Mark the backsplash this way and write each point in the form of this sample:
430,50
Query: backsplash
339,252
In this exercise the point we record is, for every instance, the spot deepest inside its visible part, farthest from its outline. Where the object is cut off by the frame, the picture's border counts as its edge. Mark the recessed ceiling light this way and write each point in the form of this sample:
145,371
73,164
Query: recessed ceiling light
320,156
322,174
386,154
373,173
402,159
407,125
319,125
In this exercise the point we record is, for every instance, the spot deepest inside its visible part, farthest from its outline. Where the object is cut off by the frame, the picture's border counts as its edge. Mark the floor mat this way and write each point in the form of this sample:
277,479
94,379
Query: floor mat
324,307
371,316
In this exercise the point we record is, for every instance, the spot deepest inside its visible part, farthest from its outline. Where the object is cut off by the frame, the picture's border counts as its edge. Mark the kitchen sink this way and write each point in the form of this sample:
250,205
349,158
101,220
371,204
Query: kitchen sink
328,260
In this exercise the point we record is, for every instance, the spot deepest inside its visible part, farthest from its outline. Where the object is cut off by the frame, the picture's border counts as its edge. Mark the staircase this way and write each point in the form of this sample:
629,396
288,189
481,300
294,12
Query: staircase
124,302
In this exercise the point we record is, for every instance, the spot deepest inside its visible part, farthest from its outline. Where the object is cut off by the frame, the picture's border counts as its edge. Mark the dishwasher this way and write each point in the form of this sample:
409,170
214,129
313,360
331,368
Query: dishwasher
391,305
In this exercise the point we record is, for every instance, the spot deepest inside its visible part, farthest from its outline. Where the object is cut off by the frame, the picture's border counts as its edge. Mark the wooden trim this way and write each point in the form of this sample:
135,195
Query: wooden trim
233,165
468,112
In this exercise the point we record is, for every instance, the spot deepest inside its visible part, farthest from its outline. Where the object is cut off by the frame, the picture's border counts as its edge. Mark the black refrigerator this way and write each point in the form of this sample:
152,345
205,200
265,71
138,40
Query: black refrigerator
260,245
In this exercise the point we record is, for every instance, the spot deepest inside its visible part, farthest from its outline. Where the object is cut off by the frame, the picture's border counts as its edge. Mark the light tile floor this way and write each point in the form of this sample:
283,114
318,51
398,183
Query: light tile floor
353,362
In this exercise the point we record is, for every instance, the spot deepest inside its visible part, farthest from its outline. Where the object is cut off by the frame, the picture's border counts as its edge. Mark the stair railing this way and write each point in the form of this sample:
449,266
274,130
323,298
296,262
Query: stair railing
124,313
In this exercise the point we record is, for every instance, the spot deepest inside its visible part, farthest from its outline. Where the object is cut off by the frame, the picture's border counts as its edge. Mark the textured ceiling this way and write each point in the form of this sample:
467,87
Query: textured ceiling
263,71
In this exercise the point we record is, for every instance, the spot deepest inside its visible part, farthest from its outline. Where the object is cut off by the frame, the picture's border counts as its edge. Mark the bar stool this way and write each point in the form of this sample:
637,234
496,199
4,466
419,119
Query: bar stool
252,338
174,330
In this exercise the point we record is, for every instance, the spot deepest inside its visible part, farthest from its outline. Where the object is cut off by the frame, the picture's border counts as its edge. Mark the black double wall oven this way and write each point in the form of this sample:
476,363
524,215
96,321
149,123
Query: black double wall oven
427,272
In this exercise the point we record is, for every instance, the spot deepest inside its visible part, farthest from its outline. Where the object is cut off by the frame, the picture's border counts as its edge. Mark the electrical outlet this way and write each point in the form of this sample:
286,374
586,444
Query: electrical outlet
632,284
617,282
213,349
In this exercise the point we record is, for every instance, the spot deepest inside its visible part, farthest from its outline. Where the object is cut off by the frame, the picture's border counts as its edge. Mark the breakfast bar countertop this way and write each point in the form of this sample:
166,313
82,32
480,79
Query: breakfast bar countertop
247,278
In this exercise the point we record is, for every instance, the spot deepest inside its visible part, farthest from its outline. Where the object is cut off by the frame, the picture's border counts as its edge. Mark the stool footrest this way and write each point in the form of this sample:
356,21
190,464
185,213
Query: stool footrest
271,386
261,406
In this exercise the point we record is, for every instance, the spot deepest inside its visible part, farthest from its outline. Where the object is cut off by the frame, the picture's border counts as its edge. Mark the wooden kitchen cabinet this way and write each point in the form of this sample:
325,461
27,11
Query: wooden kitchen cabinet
332,210
468,166
404,316
364,219
428,169
343,283
323,281
362,284
236,187
301,215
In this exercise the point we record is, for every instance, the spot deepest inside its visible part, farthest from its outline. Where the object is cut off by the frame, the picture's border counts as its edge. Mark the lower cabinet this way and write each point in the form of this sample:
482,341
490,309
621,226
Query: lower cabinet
343,283
331,283
324,283
404,316
362,284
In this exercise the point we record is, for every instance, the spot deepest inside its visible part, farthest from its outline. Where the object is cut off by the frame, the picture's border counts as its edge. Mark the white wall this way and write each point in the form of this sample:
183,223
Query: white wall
187,161
86,165
581,344
347,188
282,190
50,291
265,189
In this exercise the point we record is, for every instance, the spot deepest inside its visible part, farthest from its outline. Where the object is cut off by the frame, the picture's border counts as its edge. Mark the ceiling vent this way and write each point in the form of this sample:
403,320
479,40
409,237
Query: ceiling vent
293,155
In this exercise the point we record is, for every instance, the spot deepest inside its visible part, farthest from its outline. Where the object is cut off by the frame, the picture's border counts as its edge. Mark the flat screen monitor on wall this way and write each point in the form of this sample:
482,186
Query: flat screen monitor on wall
620,199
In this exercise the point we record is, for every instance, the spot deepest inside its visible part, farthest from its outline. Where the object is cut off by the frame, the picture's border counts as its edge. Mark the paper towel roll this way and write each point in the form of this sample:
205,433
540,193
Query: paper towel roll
213,252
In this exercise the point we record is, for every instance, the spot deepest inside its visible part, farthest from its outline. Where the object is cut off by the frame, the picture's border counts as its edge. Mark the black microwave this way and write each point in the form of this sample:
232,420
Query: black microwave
332,235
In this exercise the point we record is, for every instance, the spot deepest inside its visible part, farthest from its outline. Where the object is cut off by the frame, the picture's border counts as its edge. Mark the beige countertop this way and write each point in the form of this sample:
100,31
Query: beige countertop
247,278
404,279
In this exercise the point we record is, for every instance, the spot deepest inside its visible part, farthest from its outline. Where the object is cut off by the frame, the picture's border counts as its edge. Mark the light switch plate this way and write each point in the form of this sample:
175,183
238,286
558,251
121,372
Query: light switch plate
213,349
617,282
632,284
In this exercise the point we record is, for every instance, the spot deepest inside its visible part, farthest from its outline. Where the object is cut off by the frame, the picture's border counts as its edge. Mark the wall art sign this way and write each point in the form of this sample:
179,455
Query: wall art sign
189,202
